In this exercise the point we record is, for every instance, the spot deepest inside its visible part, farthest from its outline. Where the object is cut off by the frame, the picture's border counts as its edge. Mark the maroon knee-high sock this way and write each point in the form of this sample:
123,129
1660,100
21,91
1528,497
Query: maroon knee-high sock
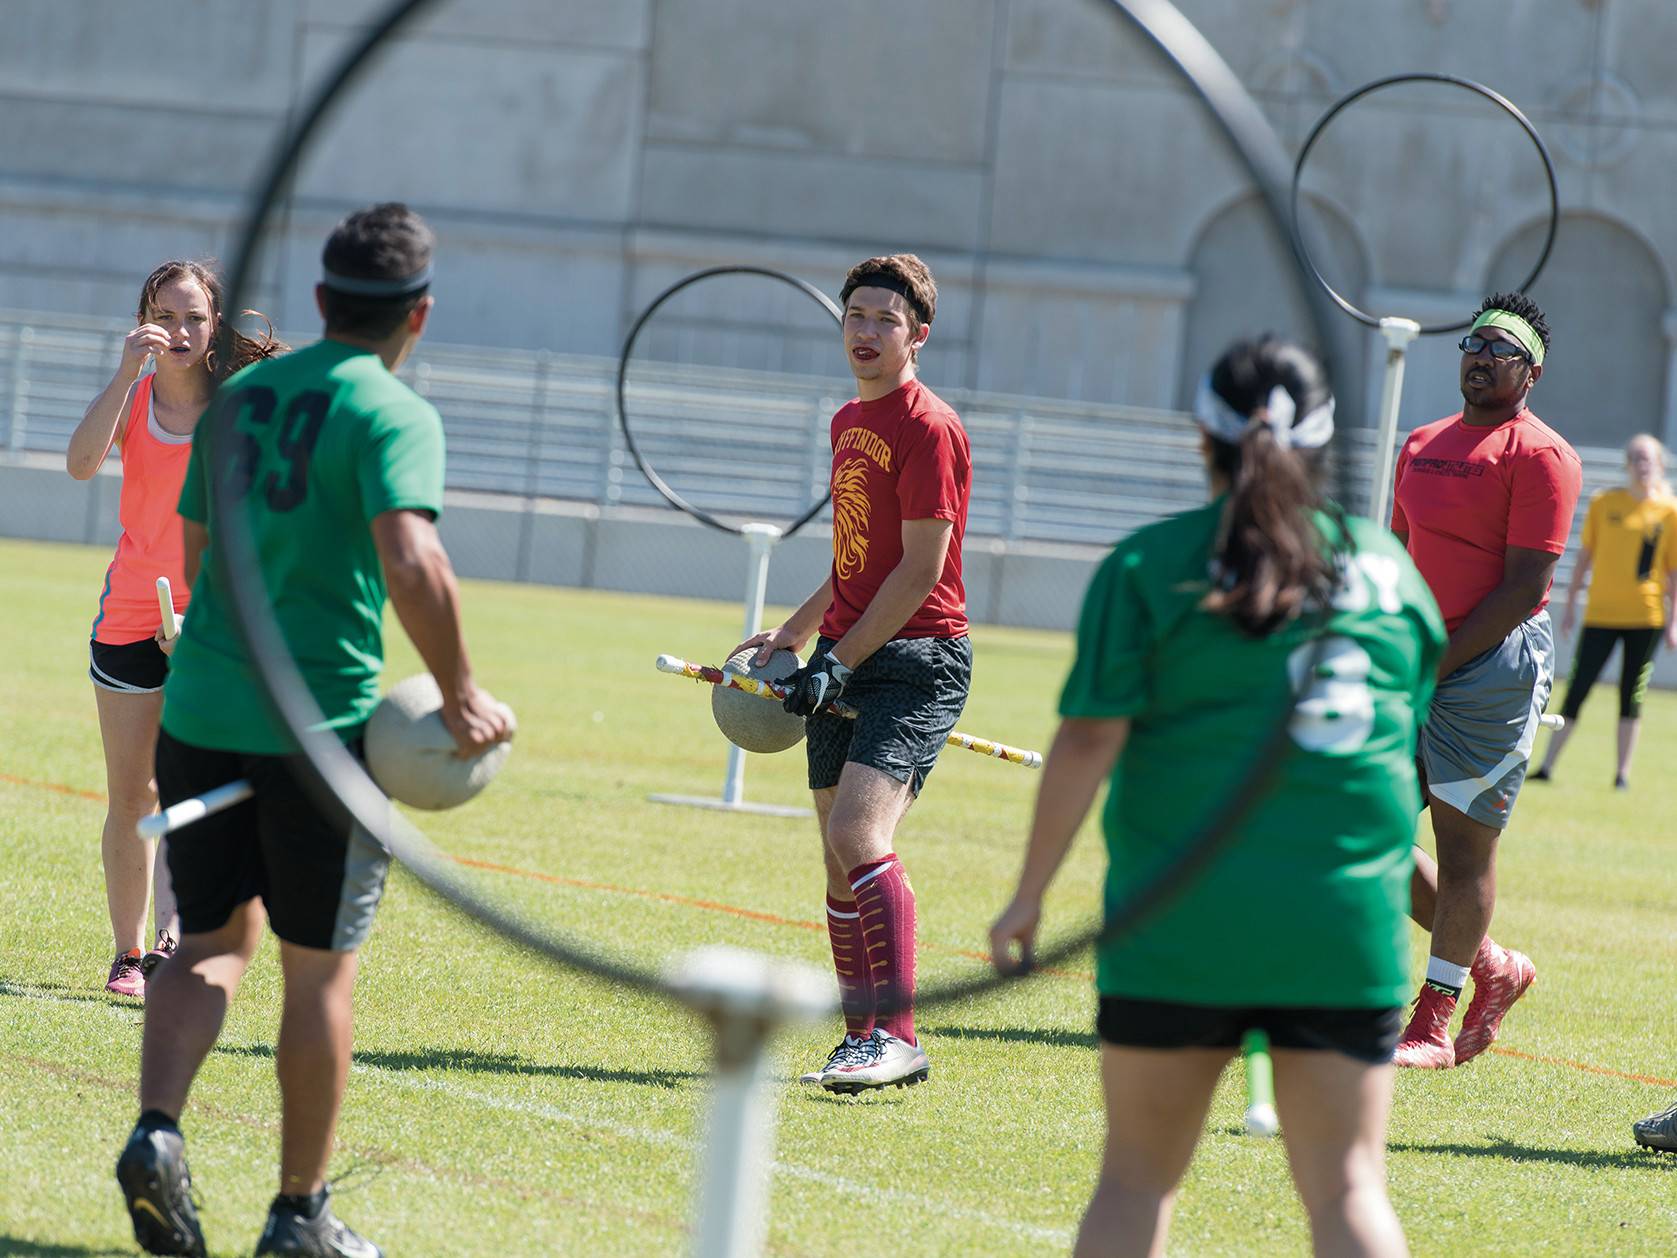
886,903
850,963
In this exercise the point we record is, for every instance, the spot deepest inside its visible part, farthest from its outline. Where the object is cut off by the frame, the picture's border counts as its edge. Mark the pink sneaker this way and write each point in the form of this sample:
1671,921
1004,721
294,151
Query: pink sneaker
1499,979
1426,1041
164,949
125,977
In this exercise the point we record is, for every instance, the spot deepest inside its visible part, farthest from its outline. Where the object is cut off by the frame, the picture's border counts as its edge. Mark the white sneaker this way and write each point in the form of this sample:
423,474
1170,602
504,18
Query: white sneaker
847,1052
887,1062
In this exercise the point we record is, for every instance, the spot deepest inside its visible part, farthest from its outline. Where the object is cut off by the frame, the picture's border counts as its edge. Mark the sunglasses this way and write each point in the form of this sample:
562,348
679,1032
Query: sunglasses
1500,350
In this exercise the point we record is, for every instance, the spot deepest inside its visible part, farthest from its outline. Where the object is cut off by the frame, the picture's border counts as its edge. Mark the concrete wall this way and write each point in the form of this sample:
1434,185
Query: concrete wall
1091,234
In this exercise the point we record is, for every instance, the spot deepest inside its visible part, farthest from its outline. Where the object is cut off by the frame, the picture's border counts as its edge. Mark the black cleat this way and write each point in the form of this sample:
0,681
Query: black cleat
1657,1131
158,1189
324,1236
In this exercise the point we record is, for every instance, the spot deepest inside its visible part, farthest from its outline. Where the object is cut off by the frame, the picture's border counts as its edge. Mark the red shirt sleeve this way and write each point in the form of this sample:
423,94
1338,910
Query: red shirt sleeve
1400,522
1544,495
933,474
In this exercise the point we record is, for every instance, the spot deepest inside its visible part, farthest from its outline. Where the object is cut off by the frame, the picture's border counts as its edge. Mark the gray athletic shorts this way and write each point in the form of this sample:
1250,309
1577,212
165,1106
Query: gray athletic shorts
1478,737
909,694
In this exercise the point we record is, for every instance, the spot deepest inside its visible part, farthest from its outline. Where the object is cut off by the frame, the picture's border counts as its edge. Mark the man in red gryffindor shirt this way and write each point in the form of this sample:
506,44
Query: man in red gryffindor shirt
893,641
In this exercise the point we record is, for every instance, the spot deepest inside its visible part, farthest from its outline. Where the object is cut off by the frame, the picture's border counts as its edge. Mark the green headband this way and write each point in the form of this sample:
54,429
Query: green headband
1517,328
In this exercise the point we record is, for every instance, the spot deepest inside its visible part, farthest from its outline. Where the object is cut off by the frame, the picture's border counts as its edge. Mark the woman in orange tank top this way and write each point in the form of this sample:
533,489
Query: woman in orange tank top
149,418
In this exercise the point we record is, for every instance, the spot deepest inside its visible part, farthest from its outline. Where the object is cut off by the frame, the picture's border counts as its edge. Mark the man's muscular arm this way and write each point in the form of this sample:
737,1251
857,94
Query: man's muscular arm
925,547
1526,575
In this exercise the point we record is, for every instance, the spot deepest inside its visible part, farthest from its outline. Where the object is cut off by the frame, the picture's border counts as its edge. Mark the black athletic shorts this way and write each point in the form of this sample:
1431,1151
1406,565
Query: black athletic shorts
1369,1035
1595,645
909,694
319,884
133,668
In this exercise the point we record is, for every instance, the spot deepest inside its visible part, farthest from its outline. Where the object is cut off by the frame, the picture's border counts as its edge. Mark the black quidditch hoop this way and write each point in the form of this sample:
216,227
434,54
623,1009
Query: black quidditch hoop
339,784
647,470
1496,98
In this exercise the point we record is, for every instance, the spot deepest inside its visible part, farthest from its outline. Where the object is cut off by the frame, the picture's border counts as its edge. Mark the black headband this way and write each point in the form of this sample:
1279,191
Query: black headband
354,286
885,280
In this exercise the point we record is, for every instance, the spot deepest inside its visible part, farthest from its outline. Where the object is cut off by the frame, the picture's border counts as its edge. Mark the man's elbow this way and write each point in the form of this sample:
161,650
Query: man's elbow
414,567
925,569
1538,584
926,577
1087,736
406,573
80,467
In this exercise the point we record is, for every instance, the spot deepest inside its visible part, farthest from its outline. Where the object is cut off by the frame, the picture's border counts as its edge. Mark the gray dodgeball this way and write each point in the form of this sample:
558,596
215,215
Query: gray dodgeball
748,721
410,753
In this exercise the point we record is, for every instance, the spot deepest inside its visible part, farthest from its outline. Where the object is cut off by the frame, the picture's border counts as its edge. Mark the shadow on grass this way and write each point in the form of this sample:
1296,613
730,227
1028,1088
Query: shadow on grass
1017,1035
485,1063
873,1096
1508,1150
20,990
14,1245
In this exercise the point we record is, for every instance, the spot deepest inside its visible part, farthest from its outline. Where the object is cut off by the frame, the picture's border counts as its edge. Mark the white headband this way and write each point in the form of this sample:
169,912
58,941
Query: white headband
1225,423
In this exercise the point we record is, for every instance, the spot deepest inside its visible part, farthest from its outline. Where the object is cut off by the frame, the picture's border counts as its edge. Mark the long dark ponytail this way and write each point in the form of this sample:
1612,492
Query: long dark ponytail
1271,561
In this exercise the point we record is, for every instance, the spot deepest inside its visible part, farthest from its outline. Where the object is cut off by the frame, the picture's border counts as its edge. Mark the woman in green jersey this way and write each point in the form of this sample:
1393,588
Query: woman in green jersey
1197,633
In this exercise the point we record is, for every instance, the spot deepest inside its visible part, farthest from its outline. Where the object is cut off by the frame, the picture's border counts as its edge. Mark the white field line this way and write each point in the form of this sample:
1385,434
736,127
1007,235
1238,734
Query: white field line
656,1136
669,1139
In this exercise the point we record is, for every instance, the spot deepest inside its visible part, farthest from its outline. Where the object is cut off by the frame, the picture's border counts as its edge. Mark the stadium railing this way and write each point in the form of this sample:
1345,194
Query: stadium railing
541,425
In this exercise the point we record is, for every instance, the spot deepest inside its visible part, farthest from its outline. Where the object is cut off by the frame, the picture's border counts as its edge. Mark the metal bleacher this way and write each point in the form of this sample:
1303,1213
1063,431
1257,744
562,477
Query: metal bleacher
745,444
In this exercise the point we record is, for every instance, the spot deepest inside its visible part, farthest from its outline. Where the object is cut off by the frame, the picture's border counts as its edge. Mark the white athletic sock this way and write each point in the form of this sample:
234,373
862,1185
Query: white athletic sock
1446,974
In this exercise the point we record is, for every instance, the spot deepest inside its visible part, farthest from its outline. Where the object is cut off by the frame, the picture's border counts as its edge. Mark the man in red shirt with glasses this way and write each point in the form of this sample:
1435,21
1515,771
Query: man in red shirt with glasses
1484,503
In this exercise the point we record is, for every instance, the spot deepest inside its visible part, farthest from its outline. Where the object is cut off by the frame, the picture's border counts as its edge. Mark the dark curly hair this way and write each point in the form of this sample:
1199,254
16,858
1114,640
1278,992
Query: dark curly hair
382,242
1520,304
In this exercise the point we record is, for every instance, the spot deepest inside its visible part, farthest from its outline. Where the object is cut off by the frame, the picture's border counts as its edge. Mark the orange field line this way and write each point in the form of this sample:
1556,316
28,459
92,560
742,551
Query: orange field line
99,796
774,919
1655,1080
715,906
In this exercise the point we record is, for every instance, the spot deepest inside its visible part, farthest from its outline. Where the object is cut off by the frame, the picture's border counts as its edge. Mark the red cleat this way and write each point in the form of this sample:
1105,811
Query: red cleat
1500,978
1426,1041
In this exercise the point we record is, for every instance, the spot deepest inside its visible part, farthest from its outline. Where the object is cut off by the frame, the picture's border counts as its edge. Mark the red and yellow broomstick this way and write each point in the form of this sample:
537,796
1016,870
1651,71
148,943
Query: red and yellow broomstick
677,667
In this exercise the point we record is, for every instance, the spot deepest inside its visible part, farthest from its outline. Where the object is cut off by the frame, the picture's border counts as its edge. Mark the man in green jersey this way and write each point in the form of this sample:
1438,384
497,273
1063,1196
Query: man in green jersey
338,468
1197,632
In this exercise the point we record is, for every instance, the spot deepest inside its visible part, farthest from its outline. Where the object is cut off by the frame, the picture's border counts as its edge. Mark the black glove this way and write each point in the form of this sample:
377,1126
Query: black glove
815,685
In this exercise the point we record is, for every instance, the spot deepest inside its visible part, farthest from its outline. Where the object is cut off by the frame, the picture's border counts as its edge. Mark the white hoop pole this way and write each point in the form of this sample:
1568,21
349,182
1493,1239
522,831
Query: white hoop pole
747,998
1398,333
187,811
761,539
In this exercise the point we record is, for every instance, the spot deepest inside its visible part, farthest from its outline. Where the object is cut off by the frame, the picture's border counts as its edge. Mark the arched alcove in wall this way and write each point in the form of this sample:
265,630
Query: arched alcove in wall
1245,285
1605,295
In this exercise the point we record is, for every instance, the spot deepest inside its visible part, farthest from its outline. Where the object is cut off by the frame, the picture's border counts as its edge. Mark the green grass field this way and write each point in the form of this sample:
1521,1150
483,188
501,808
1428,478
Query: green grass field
499,1106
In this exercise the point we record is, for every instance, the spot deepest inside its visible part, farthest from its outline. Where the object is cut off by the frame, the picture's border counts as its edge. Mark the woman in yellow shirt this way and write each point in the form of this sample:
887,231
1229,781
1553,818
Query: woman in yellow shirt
1630,547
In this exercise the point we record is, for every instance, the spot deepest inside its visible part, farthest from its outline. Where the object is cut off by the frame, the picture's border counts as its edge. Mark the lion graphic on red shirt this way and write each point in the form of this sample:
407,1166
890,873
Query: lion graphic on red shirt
850,517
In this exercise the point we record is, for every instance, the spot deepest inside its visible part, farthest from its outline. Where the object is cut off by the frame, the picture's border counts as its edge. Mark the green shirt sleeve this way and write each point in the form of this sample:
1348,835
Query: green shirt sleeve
194,502
1109,675
401,467
1433,636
